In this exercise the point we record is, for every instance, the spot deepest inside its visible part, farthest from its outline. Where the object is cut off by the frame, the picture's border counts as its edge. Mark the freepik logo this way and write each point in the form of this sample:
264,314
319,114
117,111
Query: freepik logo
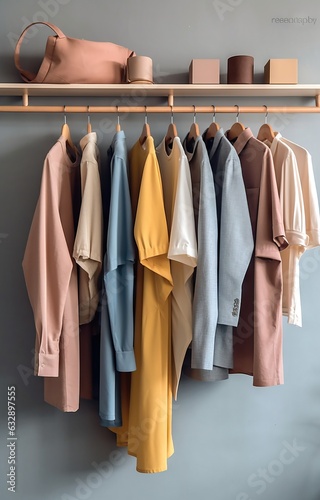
294,20
49,9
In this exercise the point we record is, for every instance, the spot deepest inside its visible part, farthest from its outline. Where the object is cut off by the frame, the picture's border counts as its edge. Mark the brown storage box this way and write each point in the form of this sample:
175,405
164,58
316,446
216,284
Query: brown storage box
204,71
240,70
281,71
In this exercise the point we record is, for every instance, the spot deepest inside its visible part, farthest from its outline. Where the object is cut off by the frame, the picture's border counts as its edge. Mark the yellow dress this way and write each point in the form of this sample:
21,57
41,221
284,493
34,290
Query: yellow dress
147,428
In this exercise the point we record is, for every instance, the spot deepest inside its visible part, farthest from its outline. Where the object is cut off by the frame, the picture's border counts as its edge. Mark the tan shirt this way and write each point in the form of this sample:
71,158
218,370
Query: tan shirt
293,213
87,249
178,202
51,279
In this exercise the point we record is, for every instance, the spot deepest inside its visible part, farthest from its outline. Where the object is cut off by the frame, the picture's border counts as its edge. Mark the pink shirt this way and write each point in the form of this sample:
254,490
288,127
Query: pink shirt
51,279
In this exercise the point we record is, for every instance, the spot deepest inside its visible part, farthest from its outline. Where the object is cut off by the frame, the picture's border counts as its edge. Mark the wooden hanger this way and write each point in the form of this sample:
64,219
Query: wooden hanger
213,127
118,126
65,132
171,132
236,129
145,129
194,131
89,128
266,132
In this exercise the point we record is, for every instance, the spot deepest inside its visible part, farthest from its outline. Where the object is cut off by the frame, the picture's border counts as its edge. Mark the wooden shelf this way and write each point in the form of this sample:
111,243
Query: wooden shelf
169,91
176,90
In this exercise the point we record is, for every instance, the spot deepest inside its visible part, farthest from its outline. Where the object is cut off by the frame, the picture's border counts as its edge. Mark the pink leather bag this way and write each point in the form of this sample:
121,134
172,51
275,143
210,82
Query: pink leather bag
71,60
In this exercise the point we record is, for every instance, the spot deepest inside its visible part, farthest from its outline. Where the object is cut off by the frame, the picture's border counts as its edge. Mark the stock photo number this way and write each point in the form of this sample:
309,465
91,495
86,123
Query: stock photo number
11,439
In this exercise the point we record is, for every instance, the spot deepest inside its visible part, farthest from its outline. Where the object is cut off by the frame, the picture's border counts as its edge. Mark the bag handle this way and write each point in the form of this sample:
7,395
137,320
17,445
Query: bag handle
27,76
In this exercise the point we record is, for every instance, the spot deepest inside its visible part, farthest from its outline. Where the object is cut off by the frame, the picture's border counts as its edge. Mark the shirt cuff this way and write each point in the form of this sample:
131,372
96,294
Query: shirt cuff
297,238
46,365
125,361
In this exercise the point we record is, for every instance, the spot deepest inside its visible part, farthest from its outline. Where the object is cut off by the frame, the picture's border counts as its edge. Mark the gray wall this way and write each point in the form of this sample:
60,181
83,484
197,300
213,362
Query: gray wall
232,441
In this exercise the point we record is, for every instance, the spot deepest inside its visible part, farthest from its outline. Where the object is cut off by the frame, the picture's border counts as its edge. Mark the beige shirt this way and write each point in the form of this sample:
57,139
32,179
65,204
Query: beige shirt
178,202
51,279
293,213
87,249
309,191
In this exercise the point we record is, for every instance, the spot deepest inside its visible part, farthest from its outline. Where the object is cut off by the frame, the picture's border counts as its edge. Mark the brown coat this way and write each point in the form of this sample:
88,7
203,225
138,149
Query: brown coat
258,336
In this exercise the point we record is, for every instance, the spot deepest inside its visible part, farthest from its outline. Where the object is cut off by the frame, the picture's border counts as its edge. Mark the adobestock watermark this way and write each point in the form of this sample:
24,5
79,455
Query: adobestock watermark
259,480
25,371
302,21
104,470
94,480
48,9
3,236
107,125
226,6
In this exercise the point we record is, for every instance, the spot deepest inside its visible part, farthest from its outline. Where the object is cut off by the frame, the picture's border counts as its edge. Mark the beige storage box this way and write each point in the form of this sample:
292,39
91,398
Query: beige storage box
204,71
281,71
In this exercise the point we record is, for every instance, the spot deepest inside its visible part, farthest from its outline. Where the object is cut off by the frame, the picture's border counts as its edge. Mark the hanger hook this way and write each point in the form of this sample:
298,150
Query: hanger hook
145,115
171,114
65,115
214,113
266,115
238,112
88,111
194,114
118,117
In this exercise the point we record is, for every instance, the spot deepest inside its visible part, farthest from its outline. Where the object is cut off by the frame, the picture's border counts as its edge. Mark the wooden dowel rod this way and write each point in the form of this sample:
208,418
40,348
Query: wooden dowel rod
25,98
158,109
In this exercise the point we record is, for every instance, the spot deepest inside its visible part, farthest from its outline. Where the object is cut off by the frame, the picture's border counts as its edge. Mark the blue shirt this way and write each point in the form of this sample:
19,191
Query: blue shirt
116,345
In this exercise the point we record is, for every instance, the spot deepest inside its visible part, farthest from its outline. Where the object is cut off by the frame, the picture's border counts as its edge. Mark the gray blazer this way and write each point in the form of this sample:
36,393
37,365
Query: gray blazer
235,247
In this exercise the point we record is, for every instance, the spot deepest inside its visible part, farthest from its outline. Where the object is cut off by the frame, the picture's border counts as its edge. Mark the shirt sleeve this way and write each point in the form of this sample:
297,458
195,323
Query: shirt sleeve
236,243
150,228
87,249
292,202
270,233
47,267
118,267
183,240
311,203
88,241
205,301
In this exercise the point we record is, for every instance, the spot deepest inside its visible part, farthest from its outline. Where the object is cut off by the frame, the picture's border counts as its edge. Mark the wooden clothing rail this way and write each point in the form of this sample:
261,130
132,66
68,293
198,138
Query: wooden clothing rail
160,109
138,93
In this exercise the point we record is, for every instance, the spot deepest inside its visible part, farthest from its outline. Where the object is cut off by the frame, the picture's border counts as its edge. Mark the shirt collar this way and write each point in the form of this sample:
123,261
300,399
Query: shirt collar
119,136
242,140
190,146
275,143
212,144
91,137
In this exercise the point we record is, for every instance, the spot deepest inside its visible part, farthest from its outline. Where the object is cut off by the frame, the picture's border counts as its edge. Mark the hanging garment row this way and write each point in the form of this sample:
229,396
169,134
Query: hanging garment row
183,256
